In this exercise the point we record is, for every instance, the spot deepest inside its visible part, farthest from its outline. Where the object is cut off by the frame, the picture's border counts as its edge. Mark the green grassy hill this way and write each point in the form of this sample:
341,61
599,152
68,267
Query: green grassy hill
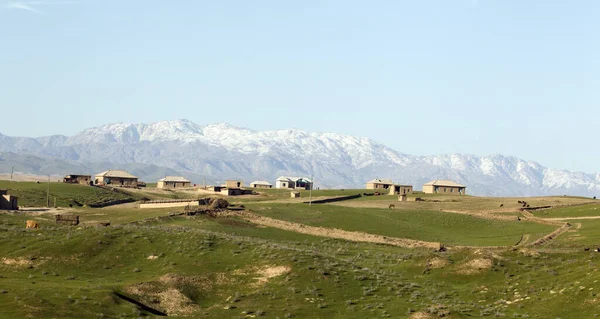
448,228
227,267
35,194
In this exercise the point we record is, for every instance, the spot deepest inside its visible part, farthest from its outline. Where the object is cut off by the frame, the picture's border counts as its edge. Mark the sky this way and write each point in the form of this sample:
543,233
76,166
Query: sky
519,78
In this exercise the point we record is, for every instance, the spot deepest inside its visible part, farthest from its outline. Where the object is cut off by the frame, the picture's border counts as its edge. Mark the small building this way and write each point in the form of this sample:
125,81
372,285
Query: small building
295,194
235,191
8,202
293,183
401,189
379,183
116,178
234,184
261,184
173,182
444,187
78,179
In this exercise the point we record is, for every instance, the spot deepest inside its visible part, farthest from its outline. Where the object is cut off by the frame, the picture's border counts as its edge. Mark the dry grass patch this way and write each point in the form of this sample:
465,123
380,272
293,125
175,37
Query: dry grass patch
475,266
437,262
22,262
423,315
269,272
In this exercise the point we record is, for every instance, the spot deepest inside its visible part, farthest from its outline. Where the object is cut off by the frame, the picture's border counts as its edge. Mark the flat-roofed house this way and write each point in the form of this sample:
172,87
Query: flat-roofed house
444,187
261,184
78,179
173,182
233,183
293,182
116,177
401,189
379,183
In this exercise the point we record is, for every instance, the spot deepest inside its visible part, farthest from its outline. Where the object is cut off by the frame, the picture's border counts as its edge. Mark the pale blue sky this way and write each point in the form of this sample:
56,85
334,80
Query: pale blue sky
423,77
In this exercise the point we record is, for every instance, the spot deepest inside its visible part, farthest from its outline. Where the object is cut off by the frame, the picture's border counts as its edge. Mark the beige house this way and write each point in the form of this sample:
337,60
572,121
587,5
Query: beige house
444,187
173,182
7,202
234,184
116,178
261,184
78,179
379,183
293,182
401,189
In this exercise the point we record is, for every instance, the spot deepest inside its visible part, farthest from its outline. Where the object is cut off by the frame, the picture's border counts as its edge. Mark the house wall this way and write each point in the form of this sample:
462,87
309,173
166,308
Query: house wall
8,202
163,184
261,186
83,180
116,181
232,191
284,184
401,189
428,189
446,190
234,184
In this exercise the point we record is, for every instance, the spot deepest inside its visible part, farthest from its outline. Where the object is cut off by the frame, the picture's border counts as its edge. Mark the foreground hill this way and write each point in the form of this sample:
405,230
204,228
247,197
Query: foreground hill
228,264
223,151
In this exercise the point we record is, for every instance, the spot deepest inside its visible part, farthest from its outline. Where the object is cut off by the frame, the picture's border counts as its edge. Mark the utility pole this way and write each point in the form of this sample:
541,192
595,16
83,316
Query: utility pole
48,193
12,171
312,183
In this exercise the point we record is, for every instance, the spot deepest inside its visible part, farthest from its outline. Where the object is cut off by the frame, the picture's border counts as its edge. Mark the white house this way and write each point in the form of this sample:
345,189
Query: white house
293,182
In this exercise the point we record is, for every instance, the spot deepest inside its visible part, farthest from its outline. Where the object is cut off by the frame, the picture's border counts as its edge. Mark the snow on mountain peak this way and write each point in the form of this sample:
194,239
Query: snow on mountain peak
224,150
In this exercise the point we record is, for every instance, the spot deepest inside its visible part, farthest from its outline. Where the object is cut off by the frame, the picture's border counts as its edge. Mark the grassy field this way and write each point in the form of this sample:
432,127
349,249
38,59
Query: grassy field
207,268
35,195
200,266
462,203
448,228
572,211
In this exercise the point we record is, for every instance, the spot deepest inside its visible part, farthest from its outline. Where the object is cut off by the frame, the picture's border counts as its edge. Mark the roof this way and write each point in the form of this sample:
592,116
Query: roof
261,183
180,179
77,175
380,181
116,173
293,179
441,182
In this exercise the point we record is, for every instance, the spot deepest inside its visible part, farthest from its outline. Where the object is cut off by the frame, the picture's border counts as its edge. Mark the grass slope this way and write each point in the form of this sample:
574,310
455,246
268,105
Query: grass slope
207,268
33,194
448,228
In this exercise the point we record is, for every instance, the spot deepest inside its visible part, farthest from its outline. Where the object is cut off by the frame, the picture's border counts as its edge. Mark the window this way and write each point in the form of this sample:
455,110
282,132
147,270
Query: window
451,190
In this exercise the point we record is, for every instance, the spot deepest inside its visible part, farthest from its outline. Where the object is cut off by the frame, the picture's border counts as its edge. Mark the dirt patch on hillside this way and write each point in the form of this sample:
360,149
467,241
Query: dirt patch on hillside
174,294
422,315
271,272
169,299
475,266
23,262
437,262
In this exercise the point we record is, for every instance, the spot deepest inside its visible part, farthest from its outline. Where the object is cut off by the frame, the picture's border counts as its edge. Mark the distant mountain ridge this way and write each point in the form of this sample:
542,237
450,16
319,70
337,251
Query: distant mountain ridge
222,151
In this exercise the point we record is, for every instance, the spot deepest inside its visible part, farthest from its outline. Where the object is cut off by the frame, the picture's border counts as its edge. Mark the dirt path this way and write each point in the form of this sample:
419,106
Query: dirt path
331,232
572,218
552,235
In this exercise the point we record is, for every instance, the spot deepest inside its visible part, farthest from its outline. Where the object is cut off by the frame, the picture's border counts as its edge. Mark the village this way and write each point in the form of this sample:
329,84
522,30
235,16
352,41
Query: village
116,178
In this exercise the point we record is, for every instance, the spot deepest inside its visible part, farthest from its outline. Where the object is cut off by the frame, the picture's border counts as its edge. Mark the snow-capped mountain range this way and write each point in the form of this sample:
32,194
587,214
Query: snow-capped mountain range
222,151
